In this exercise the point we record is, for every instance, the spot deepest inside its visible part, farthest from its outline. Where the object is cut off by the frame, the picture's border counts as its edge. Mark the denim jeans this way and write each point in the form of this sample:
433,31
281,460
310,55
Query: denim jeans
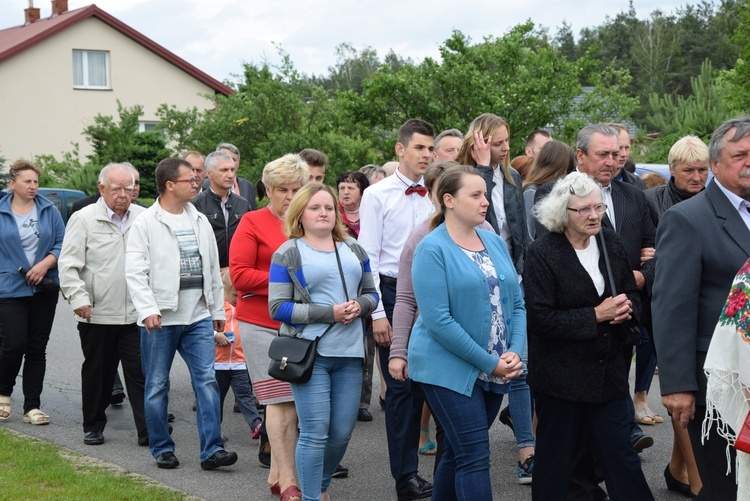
239,381
195,343
327,407
645,362
519,405
464,470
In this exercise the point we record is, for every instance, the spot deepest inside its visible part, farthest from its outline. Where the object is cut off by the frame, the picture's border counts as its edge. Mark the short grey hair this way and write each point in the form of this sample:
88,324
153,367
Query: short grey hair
448,133
114,166
230,147
584,135
370,170
552,211
742,126
212,157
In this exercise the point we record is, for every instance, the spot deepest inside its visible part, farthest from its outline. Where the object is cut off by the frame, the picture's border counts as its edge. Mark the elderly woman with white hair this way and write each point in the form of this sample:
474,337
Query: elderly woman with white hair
576,367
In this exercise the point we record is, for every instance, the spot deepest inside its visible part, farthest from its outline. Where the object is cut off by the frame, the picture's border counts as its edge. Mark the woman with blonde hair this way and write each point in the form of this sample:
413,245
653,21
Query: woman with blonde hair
321,286
257,237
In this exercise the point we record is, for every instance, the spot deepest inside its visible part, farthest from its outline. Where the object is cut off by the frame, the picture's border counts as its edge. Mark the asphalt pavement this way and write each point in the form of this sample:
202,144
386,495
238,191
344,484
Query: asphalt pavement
366,458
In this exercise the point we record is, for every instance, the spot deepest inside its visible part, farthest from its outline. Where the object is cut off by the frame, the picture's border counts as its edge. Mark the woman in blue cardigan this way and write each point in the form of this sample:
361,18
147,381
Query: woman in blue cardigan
467,341
32,231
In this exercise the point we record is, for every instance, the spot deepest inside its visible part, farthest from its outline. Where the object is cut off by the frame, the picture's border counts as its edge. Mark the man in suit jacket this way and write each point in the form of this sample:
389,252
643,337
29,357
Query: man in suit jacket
701,243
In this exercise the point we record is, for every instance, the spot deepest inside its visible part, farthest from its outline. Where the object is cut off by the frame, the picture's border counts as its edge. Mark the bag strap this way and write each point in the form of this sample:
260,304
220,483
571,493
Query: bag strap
606,263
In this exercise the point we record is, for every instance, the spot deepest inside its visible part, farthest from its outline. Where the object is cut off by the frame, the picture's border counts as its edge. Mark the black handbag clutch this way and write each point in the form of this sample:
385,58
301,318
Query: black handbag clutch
292,358
46,284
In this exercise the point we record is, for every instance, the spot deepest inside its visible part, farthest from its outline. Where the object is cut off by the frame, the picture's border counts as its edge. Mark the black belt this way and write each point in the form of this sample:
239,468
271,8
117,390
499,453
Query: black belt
387,280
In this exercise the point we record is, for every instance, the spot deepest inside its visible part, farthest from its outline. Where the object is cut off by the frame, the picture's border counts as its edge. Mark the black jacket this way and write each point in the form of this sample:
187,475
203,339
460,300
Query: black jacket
571,356
515,212
209,203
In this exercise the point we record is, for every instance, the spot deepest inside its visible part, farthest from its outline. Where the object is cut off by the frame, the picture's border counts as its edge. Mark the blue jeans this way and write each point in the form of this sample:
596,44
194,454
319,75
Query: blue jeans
195,343
645,362
327,407
464,470
519,405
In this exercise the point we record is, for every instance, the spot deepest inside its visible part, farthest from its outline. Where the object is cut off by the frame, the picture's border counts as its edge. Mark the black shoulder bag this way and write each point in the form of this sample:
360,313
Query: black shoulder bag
631,332
292,358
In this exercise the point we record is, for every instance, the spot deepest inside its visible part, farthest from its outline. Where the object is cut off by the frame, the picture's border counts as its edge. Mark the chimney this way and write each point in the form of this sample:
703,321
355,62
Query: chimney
31,14
59,7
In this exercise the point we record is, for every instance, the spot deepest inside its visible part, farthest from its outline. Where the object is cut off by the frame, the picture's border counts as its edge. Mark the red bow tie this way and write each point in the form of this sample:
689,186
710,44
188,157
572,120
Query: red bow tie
420,190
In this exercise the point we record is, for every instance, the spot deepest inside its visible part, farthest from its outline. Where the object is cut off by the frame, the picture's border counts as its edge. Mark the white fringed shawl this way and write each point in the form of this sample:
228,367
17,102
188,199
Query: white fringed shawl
727,368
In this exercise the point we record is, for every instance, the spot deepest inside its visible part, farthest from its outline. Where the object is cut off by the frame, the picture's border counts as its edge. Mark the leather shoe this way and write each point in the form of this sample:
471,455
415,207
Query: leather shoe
364,415
341,471
167,460
415,488
219,458
93,438
117,397
264,451
641,442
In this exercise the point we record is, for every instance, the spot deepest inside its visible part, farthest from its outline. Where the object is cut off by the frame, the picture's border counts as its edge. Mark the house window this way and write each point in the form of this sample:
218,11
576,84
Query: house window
149,126
91,69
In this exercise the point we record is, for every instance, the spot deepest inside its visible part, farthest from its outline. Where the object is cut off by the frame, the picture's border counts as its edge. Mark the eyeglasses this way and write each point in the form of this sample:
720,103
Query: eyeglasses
192,180
585,211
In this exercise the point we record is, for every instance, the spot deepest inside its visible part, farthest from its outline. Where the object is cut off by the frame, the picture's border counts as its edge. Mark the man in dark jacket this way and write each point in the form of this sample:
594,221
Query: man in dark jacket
222,207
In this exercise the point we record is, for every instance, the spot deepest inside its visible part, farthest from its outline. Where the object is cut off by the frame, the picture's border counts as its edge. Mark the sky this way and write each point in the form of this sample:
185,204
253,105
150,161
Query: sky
218,36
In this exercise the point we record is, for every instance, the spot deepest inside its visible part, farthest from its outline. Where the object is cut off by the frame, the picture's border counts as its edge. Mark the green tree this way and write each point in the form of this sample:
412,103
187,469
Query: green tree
738,78
4,175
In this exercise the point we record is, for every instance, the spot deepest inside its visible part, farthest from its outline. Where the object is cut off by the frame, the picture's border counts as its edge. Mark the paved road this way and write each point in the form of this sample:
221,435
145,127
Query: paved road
366,458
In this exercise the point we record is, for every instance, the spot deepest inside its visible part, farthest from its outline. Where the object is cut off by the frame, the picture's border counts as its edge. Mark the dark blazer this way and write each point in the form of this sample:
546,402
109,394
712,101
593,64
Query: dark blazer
634,224
631,179
515,212
701,243
84,202
247,190
571,356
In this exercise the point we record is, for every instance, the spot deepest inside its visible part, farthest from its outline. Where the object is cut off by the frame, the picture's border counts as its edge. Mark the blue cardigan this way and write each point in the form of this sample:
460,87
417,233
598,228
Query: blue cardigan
448,344
12,257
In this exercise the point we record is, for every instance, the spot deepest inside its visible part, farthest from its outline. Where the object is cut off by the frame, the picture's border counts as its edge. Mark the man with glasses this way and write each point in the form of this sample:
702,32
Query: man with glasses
94,251
626,212
172,270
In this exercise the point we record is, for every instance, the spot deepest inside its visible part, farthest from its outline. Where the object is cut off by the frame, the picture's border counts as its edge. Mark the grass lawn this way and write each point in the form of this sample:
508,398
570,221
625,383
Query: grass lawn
34,469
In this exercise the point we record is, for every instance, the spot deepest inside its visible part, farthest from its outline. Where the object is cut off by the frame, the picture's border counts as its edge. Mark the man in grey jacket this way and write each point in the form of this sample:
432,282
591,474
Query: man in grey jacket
172,270
92,277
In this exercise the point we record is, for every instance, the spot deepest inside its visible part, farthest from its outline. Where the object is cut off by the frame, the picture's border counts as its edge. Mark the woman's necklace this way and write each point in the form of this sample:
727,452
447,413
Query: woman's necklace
351,211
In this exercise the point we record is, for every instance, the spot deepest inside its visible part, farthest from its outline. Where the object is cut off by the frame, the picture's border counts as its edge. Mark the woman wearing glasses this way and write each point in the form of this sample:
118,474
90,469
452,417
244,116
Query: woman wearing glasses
576,367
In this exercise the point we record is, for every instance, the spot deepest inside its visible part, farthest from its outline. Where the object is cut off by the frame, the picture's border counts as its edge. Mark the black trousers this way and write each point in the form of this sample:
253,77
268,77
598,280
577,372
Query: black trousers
711,459
25,325
103,347
609,429
403,406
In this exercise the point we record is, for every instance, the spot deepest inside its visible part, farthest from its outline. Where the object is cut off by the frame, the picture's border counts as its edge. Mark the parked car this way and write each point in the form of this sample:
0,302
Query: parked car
662,170
63,199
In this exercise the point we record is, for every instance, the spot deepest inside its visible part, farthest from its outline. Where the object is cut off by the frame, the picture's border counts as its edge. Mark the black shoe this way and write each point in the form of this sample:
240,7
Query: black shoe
675,485
506,419
167,460
381,401
143,441
237,408
415,488
93,438
364,415
641,442
340,472
264,452
170,418
219,458
117,397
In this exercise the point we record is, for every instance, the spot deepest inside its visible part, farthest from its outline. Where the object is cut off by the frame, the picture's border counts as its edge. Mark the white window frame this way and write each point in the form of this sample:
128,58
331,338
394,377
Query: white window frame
149,125
85,68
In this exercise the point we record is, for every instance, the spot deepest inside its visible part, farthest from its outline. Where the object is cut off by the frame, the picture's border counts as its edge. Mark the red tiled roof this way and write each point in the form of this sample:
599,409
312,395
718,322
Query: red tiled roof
19,38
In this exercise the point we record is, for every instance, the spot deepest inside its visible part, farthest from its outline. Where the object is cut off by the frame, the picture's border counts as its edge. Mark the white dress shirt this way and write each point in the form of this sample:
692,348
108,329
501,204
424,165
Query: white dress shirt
386,218
739,203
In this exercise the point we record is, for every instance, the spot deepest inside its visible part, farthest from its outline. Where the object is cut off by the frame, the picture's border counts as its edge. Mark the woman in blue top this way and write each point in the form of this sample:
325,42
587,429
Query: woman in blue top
32,231
320,283
467,341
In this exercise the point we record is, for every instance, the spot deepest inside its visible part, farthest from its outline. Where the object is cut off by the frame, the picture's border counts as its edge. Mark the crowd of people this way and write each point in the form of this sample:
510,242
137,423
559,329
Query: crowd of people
461,278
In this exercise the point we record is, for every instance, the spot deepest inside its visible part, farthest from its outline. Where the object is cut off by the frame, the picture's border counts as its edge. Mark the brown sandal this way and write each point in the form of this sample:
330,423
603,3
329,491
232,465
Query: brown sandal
291,493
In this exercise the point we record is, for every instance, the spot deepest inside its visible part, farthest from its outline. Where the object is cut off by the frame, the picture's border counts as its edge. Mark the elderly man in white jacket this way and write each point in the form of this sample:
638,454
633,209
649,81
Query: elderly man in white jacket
172,270
92,278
